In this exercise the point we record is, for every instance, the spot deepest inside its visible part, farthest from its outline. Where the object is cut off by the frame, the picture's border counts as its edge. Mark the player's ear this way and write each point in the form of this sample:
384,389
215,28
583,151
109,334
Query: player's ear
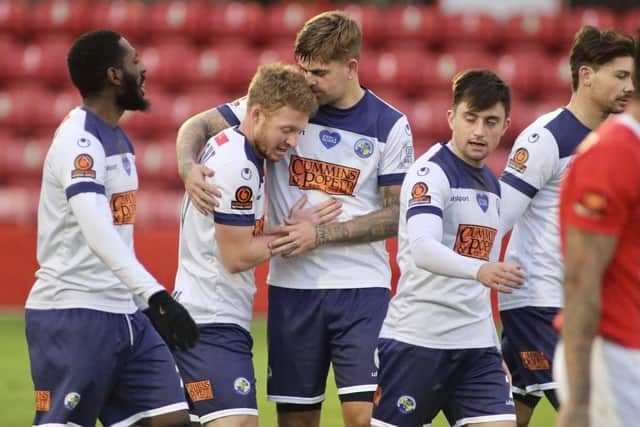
450,114
353,65
114,75
254,113
585,75
507,123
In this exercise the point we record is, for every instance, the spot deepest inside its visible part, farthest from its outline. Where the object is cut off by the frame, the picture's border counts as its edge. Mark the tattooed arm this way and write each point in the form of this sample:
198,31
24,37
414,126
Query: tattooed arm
192,135
587,258
376,225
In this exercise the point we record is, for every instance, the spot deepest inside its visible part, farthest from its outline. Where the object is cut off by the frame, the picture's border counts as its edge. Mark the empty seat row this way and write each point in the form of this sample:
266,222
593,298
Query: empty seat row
203,20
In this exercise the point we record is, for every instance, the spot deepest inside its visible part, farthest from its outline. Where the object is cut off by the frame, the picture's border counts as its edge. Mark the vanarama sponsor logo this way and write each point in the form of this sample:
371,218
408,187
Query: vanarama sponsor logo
311,174
474,241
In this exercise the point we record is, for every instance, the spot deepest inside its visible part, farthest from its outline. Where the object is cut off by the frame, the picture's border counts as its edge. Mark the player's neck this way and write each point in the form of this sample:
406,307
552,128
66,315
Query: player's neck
351,97
586,111
107,111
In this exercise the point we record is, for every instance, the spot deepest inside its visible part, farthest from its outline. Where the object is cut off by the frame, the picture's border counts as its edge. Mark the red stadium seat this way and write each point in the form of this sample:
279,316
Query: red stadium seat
233,20
428,120
451,62
282,52
498,159
44,61
522,70
129,17
19,205
157,162
523,113
177,18
470,29
230,67
533,30
170,64
156,121
370,19
16,108
13,17
556,75
390,69
24,159
603,19
158,208
59,16
413,25
284,20
630,22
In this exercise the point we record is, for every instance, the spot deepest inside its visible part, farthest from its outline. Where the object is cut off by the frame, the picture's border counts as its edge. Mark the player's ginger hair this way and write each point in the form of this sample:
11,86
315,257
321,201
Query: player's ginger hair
329,36
276,85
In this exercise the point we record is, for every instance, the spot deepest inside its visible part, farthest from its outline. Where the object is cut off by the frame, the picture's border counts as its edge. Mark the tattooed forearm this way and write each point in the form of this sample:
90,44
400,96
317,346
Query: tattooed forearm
587,258
193,134
377,225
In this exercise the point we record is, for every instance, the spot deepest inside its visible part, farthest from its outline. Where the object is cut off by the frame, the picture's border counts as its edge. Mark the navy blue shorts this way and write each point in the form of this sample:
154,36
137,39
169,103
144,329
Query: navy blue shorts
89,364
218,373
528,344
310,329
415,383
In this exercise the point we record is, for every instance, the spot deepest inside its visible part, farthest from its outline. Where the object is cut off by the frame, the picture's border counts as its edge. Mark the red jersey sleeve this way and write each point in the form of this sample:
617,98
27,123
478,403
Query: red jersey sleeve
602,184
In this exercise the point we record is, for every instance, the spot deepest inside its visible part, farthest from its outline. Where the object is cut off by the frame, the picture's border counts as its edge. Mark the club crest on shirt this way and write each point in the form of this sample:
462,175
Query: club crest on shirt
406,404
519,160
331,178
474,241
329,139
419,194
83,164
199,390
126,164
243,198
483,201
363,148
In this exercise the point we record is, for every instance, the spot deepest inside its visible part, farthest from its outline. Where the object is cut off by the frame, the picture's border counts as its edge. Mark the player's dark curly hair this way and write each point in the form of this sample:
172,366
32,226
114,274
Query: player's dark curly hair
594,48
481,90
89,58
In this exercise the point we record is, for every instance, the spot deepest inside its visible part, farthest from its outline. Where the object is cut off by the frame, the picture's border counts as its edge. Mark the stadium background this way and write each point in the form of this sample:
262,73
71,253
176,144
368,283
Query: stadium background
199,54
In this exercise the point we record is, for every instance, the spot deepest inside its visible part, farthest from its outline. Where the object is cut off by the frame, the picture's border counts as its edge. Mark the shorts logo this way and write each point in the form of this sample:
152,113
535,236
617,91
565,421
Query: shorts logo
199,390
329,139
406,404
83,167
243,198
419,194
534,360
591,205
519,159
483,201
474,241
363,148
123,207
310,174
43,400
71,400
242,386
377,395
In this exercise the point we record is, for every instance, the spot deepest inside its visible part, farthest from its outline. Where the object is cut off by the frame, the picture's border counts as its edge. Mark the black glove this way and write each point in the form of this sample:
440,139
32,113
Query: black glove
172,321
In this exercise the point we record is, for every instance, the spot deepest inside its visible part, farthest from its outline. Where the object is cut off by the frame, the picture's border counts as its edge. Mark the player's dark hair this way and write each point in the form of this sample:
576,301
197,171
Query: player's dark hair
481,90
89,58
594,48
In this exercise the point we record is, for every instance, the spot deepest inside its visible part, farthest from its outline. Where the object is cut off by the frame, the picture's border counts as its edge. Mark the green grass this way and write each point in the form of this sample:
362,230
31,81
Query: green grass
16,388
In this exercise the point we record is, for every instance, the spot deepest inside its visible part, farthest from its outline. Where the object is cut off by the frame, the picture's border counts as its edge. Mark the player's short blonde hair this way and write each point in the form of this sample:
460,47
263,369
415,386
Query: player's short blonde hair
278,85
329,36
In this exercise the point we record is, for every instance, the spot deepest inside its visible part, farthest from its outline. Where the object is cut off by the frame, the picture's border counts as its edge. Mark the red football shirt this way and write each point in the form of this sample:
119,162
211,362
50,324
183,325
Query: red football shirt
601,194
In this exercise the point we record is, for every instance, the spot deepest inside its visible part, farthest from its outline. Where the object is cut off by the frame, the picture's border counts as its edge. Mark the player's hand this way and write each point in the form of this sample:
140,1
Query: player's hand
321,213
298,238
573,415
203,196
172,321
501,276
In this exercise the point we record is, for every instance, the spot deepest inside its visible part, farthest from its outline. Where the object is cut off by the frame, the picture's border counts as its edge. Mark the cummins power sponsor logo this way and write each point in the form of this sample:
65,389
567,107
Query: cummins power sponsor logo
311,174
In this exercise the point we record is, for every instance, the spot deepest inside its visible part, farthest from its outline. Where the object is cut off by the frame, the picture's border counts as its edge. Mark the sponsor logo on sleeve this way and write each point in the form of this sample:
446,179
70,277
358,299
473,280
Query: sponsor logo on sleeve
363,148
43,400
534,360
329,139
123,207
474,241
83,164
519,160
199,390
592,204
331,178
419,194
243,198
